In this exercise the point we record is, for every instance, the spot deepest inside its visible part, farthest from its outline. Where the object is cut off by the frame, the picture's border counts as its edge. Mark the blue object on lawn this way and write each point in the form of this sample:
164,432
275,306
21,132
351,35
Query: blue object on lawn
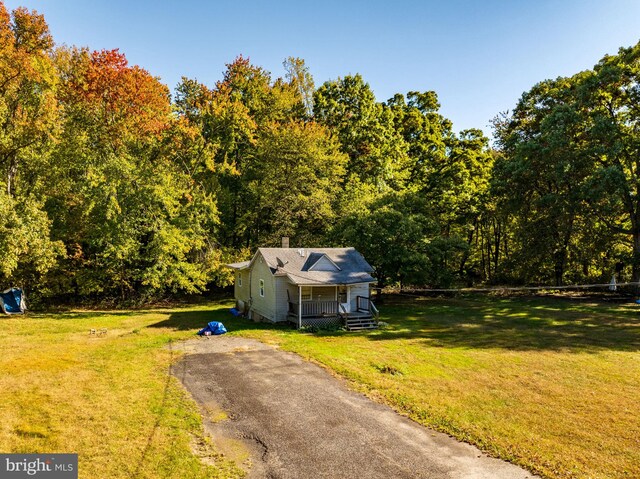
214,327
235,312
12,301
637,301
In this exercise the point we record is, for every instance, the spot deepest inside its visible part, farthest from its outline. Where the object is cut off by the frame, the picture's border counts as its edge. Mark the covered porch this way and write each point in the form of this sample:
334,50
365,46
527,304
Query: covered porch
335,305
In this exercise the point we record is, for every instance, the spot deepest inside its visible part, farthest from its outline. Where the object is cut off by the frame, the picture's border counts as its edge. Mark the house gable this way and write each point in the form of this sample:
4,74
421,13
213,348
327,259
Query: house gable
324,264
320,262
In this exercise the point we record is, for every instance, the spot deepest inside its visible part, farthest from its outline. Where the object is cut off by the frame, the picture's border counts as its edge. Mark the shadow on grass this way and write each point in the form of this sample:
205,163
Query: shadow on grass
542,324
513,324
89,314
196,320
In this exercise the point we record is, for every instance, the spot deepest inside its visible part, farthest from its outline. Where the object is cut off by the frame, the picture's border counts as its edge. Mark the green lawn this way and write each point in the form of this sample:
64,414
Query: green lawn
553,385
108,398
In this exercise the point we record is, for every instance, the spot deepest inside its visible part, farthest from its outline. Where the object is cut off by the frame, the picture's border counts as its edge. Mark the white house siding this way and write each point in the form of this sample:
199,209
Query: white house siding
282,300
264,306
359,289
242,292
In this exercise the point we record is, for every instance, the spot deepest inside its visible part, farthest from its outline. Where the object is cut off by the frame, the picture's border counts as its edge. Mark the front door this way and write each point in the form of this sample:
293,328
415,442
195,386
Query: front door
344,298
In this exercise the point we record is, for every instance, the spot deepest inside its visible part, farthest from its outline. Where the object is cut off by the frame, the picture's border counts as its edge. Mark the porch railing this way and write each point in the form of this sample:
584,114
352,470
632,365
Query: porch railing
364,304
318,309
314,308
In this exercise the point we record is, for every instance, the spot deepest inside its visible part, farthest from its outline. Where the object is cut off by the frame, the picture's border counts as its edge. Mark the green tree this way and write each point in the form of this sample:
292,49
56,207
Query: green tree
450,173
128,205
299,76
427,134
401,239
365,128
608,99
542,181
571,152
294,181
28,114
239,119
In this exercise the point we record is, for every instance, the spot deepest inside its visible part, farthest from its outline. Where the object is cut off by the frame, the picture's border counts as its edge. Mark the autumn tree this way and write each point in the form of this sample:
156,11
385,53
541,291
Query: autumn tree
128,208
28,114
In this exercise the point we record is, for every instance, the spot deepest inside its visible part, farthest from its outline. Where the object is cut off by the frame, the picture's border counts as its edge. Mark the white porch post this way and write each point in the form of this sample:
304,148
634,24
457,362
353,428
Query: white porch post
299,307
348,298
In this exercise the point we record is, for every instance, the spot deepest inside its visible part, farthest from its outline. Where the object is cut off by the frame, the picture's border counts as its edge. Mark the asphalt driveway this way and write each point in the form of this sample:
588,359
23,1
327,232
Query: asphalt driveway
294,420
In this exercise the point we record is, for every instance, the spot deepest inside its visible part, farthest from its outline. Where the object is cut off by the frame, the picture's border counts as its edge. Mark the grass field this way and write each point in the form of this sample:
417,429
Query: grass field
553,385
108,398
550,384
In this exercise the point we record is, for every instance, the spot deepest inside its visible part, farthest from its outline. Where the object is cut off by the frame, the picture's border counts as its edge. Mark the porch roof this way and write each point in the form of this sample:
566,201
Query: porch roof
241,265
326,278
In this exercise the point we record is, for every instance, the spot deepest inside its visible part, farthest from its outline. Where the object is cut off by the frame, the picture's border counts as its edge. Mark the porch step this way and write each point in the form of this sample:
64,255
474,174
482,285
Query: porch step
359,324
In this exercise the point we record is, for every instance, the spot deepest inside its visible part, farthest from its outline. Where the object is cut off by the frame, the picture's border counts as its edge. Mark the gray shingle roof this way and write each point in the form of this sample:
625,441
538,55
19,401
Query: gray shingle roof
295,264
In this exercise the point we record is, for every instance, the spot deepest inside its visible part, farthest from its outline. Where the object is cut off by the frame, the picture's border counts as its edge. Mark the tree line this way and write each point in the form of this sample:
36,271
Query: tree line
112,187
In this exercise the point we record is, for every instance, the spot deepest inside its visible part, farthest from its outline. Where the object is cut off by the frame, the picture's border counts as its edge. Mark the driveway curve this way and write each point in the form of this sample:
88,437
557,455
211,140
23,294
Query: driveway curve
295,420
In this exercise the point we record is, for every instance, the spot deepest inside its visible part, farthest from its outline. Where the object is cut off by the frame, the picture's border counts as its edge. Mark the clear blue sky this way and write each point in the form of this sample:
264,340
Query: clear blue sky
479,56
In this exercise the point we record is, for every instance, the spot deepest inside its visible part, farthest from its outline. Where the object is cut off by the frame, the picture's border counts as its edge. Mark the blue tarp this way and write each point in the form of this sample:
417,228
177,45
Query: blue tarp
12,300
214,327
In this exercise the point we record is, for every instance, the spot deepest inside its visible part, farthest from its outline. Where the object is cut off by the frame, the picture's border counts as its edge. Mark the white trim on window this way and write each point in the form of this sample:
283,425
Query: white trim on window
262,288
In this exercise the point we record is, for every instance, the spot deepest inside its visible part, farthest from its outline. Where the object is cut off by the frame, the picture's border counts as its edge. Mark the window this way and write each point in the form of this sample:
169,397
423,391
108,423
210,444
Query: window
262,288
306,292
240,280
342,294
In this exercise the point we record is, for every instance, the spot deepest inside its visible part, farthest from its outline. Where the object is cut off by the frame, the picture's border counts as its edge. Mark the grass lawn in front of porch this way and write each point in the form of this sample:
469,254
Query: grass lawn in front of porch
551,384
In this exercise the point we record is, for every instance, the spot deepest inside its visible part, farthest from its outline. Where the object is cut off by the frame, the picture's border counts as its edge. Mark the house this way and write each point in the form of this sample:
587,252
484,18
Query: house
306,286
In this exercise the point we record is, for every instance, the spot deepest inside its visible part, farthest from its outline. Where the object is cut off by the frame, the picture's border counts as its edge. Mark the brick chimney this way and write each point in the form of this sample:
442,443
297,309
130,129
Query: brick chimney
285,241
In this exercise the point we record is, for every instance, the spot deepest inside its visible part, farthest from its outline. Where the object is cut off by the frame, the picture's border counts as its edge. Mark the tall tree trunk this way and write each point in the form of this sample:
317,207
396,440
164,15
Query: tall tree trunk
560,259
467,253
497,237
11,174
635,267
635,232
